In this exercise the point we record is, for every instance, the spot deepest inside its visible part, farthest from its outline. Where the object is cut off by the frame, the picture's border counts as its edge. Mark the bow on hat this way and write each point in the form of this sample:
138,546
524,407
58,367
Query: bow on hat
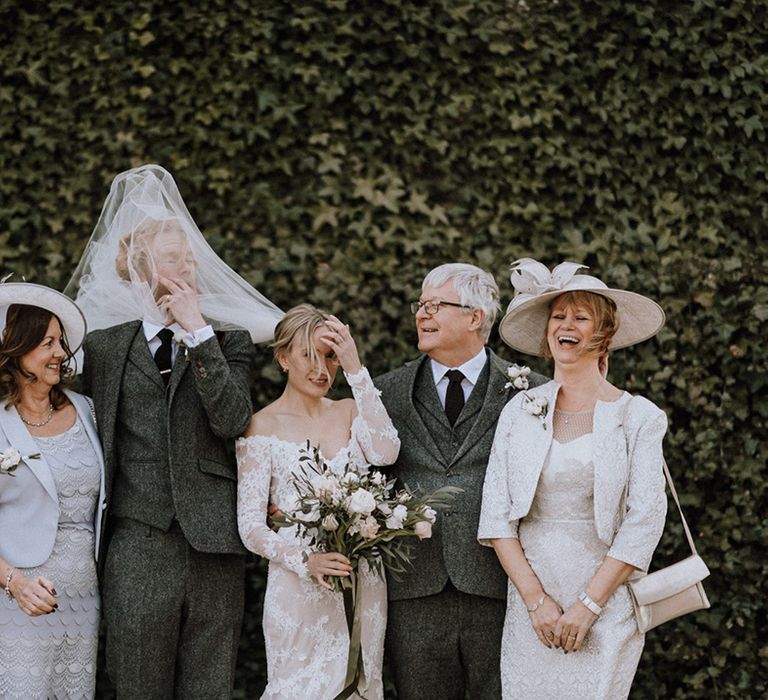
531,278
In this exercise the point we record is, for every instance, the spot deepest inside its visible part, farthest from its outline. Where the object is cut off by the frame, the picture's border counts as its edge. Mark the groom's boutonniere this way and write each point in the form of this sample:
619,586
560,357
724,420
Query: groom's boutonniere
12,458
537,406
178,336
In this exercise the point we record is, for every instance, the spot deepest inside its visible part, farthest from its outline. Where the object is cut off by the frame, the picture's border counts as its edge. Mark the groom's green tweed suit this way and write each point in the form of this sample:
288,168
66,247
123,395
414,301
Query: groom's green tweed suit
434,454
173,572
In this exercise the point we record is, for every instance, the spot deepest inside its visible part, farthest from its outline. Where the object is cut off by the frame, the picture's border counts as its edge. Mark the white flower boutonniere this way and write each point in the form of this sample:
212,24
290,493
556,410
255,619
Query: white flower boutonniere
537,406
518,377
178,336
12,458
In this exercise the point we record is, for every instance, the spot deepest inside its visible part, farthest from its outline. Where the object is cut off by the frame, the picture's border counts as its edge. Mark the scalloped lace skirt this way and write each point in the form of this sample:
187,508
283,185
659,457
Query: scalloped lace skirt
54,655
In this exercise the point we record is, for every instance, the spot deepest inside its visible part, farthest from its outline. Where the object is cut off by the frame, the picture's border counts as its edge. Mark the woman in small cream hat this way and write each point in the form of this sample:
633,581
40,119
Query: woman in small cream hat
574,500
51,497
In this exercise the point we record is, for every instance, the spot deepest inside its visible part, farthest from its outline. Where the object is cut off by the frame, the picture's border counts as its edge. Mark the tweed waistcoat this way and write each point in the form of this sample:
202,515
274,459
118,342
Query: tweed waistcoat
142,487
448,438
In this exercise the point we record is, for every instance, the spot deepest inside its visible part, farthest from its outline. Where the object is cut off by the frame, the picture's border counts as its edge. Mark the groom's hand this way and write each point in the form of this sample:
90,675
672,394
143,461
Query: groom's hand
180,304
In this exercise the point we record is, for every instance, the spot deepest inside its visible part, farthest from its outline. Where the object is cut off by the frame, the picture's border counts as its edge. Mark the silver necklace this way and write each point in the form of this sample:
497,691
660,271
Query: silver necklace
38,425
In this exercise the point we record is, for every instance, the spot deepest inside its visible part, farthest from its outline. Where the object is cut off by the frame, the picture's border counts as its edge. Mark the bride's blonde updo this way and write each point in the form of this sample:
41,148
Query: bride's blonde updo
298,326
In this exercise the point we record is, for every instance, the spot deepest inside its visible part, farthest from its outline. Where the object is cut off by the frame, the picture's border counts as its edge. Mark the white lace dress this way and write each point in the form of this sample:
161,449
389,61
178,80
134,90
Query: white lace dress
305,630
54,655
560,542
560,534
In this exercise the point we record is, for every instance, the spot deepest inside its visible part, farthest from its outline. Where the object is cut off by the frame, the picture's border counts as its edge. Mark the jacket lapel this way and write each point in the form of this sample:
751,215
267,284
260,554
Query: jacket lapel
179,370
140,356
19,437
119,340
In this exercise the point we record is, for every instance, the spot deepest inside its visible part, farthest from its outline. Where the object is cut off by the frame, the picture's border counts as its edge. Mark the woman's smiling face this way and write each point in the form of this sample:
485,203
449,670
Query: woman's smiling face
569,330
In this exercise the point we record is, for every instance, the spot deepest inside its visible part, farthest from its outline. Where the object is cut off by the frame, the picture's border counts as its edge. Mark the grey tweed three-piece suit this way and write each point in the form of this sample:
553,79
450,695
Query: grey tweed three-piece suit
173,577
446,615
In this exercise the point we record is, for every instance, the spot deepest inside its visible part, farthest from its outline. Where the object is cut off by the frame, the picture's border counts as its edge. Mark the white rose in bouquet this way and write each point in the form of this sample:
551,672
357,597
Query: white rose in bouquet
350,479
361,501
330,522
396,519
384,509
368,527
423,530
430,514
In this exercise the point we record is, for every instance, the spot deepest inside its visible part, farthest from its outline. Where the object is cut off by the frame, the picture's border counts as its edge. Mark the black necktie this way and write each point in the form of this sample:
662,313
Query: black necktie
164,354
454,397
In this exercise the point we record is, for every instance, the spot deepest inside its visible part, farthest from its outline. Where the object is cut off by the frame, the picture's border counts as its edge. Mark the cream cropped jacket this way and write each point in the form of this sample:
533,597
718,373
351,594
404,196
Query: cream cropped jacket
627,456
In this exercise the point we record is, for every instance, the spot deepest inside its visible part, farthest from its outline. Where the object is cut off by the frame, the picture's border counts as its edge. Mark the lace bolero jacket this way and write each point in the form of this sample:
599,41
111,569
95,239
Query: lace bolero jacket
627,456
266,465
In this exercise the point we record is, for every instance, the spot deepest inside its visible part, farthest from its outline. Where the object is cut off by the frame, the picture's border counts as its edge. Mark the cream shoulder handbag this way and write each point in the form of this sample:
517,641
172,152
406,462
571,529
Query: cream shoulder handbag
673,591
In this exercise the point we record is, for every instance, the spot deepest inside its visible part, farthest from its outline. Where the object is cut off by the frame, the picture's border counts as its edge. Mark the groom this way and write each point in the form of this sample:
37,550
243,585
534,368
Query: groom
446,614
173,577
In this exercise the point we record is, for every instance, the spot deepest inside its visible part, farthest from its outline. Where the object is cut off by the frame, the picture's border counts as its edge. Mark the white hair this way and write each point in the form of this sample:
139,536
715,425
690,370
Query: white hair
476,288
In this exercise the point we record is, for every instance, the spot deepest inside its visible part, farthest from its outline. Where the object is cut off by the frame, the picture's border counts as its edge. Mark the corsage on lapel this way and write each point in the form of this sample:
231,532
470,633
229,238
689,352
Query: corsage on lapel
180,337
12,458
537,406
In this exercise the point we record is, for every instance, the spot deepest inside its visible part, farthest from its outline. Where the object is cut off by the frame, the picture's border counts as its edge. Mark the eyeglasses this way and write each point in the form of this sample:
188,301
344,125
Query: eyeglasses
432,307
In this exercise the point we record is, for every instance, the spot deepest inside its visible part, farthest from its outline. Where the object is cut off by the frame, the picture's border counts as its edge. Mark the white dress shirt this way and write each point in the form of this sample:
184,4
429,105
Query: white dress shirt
191,340
470,369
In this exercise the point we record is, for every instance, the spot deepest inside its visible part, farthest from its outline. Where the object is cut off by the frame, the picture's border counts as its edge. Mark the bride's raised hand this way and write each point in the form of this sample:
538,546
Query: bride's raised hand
340,340
322,564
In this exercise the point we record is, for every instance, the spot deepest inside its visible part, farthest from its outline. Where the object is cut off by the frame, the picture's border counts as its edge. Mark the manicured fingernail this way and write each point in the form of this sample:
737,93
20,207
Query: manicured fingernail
54,592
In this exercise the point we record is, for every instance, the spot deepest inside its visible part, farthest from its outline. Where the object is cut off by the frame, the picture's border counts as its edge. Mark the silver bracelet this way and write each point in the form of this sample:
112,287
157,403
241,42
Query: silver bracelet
8,578
589,603
538,604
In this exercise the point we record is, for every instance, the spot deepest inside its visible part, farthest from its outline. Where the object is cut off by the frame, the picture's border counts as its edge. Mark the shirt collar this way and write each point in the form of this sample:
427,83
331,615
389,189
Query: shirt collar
151,328
470,369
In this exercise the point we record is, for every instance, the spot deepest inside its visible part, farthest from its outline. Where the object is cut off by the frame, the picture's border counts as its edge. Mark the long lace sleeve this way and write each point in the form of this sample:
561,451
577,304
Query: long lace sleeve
646,505
494,511
374,438
254,470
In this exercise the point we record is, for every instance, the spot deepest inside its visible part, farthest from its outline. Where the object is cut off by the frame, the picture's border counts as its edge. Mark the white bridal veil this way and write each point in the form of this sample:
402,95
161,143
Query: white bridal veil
117,281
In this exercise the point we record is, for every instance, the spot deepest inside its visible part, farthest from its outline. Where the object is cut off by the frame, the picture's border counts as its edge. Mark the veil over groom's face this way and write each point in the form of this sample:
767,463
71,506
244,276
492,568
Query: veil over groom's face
157,250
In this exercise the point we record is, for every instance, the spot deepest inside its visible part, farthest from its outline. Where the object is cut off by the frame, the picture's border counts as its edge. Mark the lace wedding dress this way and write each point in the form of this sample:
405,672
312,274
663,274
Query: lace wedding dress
305,630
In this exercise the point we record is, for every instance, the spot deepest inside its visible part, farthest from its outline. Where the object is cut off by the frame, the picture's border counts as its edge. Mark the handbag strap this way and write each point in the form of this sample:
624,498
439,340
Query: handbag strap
688,535
671,484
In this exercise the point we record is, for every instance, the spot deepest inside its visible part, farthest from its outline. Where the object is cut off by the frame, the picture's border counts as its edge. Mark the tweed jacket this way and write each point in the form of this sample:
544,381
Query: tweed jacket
207,404
627,457
434,454
29,502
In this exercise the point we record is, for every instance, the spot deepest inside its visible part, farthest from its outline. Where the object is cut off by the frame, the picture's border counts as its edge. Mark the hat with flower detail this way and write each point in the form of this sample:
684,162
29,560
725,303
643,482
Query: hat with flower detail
525,323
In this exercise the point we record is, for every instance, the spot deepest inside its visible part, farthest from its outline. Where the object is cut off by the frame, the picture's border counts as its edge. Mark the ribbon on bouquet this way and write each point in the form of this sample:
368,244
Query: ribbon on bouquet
355,669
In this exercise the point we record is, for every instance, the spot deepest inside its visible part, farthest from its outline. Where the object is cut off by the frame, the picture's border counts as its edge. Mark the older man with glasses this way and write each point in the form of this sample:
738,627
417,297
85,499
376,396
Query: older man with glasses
447,611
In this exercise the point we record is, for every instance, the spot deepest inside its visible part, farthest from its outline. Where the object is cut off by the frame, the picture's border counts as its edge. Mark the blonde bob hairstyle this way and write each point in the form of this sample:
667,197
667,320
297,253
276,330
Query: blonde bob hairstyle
603,311
298,326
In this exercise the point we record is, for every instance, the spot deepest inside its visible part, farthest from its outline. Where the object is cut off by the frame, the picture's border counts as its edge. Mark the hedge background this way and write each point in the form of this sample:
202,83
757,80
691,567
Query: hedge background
334,151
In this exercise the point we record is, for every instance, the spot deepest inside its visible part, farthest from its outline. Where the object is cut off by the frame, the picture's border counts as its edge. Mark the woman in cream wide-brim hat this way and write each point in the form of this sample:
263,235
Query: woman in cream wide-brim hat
51,497
574,500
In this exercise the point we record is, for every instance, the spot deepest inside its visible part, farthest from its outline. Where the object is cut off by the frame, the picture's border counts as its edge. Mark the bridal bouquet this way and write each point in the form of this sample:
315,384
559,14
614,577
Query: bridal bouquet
360,515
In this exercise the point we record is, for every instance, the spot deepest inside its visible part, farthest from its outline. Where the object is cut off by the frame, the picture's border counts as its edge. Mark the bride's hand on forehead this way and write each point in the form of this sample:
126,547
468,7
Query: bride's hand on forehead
340,340
180,304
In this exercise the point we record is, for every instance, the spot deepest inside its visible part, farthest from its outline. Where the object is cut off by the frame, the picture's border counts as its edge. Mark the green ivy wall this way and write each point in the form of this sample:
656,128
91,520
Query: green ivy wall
333,151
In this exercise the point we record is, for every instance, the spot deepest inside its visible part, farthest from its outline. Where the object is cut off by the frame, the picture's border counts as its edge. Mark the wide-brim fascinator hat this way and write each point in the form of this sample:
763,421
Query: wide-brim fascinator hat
72,319
524,325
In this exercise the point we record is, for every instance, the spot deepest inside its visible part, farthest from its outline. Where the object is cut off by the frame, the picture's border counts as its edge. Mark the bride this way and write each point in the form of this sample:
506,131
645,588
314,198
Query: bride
305,629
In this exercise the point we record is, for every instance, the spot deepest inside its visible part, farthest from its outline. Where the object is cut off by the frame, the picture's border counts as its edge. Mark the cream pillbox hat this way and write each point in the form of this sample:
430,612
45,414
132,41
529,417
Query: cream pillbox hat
524,325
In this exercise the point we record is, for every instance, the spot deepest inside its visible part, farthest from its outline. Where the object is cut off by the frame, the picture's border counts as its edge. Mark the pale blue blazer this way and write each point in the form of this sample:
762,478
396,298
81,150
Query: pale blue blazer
29,504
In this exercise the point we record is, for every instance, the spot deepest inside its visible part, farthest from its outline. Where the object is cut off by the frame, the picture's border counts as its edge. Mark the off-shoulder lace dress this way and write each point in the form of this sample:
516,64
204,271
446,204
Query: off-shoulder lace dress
54,655
305,630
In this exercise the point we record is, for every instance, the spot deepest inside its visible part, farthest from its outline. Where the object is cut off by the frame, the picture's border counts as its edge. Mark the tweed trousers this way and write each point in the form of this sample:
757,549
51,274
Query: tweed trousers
190,600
